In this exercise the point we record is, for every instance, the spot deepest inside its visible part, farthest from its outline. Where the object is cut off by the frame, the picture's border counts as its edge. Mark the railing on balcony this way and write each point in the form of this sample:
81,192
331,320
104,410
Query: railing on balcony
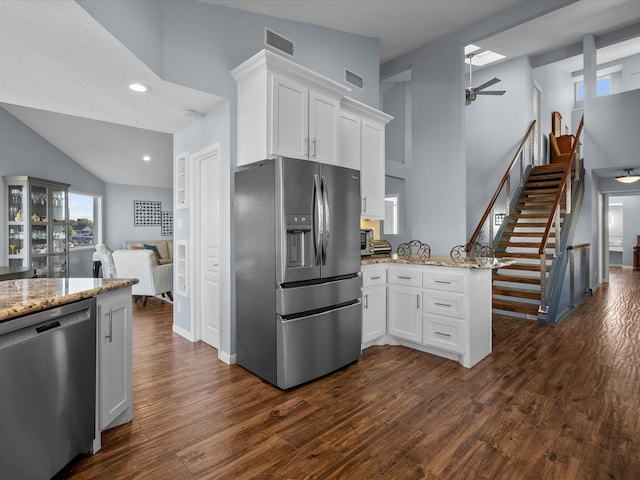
504,188
553,227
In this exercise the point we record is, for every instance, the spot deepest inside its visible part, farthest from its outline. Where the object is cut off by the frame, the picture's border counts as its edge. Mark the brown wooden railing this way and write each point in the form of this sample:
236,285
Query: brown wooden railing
506,178
554,217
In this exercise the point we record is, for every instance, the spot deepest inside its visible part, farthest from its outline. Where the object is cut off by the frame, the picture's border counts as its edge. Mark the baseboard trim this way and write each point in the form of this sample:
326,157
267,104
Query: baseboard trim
183,333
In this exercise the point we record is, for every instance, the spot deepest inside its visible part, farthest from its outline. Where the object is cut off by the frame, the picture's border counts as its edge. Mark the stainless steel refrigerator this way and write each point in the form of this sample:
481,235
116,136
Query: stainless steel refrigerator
298,283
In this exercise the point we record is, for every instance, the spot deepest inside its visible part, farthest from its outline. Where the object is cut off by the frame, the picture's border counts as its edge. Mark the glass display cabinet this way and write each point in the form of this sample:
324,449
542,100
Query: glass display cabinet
37,225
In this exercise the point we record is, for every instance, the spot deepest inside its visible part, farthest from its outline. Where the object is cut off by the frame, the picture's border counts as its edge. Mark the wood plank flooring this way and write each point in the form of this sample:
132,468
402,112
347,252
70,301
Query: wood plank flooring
559,403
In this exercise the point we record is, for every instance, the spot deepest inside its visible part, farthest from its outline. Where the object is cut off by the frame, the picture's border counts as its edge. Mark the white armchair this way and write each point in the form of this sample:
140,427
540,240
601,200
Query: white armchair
106,261
153,279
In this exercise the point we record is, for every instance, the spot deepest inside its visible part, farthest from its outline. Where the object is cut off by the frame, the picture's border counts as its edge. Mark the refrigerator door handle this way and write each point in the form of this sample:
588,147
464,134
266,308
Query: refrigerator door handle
327,210
318,230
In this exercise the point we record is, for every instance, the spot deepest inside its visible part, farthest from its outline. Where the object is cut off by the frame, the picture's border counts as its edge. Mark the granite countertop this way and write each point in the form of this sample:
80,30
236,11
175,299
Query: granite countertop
439,261
21,297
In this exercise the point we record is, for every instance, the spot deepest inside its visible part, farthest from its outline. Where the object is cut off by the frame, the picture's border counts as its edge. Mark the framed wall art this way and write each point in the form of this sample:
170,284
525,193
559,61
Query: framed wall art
146,213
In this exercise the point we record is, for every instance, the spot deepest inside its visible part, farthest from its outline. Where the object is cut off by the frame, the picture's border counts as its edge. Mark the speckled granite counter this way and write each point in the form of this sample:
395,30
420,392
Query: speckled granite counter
21,297
439,261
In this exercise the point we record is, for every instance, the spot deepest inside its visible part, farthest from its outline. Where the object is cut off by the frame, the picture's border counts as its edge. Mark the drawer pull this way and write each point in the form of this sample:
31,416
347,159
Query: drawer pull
418,301
404,278
366,301
442,304
444,282
376,278
443,334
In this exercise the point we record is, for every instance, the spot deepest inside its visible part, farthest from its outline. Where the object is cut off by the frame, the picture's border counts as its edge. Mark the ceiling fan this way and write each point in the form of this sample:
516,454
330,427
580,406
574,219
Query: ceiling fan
472,92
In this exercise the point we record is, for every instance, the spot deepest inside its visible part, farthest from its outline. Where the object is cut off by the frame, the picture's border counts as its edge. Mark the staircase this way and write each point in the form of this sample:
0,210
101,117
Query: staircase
516,288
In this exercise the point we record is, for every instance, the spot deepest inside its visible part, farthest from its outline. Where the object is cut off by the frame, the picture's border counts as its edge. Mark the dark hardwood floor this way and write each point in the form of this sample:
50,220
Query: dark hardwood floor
559,403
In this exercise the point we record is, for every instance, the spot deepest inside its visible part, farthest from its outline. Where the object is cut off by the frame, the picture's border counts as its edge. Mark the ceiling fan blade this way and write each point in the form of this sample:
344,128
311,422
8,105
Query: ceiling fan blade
492,92
487,84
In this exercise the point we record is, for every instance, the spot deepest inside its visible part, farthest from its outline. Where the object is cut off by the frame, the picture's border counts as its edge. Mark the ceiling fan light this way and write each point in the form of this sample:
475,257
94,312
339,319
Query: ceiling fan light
628,176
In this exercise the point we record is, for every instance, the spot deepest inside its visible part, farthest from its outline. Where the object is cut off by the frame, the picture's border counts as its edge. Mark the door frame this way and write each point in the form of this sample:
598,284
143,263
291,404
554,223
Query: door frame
195,265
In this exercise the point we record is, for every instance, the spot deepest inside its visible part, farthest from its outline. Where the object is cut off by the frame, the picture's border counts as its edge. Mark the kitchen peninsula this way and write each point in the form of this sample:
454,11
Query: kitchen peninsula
65,367
437,304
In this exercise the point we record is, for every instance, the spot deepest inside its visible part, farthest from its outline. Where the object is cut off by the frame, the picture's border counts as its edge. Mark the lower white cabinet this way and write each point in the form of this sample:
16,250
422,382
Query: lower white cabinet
374,304
445,311
405,313
114,357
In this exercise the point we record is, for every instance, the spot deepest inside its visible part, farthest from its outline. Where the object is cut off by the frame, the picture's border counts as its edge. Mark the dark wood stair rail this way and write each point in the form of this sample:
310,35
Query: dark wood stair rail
554,216
504,180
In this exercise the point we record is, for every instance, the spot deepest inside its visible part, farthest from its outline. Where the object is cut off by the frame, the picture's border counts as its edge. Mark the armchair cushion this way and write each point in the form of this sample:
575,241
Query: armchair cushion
164,247
153,279
106,260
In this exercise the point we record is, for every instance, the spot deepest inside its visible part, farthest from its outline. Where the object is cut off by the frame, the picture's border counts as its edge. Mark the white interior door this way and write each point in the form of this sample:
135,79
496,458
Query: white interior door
207,259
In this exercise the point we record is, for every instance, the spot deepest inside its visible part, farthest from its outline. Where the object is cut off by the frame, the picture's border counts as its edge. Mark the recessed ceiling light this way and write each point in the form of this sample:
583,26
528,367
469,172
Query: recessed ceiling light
146,158
138,87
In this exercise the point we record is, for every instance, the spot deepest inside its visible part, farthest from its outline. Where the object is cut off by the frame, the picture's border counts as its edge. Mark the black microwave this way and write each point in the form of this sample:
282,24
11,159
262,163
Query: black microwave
366,241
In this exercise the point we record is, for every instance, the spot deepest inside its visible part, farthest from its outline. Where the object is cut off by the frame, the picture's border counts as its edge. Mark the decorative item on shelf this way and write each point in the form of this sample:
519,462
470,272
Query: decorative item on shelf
459,253
482,254
19,216
415,248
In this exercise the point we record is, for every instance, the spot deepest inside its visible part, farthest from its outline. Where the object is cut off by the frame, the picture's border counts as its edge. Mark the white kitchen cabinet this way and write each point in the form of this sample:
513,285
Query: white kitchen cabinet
114,357
374,304
405,303
285,109
361,143
441,310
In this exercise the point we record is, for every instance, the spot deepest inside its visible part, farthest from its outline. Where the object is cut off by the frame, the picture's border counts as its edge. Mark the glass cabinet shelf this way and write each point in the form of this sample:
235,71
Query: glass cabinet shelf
37,225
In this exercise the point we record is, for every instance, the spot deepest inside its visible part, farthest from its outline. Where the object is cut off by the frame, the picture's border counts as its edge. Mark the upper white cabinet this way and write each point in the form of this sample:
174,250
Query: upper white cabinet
361,146
285,109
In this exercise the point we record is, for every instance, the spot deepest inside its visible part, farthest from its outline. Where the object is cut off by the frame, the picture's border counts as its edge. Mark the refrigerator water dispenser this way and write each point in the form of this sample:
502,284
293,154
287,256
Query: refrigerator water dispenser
299,240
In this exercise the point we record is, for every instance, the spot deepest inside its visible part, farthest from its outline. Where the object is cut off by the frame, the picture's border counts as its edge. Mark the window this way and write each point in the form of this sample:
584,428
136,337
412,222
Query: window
391,215
604,86
84,220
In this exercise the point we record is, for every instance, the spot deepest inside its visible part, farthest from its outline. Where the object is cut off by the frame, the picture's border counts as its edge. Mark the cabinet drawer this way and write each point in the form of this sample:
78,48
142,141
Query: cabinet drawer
374,276
412,278
448,281
444,303
445,333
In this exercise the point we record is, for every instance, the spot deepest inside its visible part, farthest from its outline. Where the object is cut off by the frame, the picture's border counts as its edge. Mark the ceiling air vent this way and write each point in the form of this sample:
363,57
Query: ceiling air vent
353,79
278,41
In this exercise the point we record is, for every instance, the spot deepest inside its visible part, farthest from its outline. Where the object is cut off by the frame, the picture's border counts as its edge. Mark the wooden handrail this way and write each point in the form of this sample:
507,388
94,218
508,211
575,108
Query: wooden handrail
478,229
561,187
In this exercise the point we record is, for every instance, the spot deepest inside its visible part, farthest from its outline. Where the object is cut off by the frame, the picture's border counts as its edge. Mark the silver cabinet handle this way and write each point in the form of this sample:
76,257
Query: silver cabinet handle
314,147
442,334
404,278
110,336
366,301
376,278
443,282
418,301
306,146
364,204
442,304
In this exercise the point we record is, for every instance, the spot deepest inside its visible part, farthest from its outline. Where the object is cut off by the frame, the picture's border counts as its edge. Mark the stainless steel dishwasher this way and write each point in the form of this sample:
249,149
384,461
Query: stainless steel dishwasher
47,390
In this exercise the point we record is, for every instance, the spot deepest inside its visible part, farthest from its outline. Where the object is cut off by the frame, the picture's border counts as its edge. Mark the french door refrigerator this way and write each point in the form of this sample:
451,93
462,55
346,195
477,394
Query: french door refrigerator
298,283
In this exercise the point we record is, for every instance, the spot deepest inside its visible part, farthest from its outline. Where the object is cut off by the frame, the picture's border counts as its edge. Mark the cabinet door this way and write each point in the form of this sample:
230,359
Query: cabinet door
323,128
374,313
405,313
114,345
372,169
289,118
349,140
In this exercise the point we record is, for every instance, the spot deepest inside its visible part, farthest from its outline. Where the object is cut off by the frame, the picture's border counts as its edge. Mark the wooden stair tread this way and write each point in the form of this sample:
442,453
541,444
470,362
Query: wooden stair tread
516,307
526,234
516,292
525,267
499,277
514,255
526,244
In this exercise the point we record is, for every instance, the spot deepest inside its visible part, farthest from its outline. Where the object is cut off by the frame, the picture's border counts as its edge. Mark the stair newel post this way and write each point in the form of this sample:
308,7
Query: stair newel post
491,221
556,229
521,168
543,284
507,197
568,191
